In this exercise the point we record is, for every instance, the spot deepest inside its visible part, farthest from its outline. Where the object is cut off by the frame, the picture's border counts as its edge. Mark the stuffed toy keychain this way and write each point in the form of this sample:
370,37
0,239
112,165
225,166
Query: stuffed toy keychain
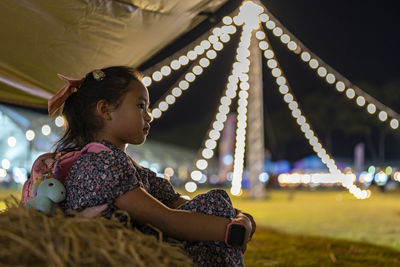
49,192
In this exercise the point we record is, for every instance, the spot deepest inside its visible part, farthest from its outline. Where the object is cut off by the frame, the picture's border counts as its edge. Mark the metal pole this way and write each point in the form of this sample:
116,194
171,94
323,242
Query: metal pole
255,121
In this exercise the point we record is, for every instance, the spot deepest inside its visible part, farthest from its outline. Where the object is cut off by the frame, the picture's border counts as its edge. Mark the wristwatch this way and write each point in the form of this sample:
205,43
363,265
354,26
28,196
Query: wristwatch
235,234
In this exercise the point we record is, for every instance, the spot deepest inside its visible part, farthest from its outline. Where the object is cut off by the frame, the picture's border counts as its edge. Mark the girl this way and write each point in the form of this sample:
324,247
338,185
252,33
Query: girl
111,106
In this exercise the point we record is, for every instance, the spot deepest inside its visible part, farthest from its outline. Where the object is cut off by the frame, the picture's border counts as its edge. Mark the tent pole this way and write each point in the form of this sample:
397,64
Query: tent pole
255,121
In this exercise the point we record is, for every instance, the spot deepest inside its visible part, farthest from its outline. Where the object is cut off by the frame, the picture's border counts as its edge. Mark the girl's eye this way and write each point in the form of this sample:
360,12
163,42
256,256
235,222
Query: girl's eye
142,106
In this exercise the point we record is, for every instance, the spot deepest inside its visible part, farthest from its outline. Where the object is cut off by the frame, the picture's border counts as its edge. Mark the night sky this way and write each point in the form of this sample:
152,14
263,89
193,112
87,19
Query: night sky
357,38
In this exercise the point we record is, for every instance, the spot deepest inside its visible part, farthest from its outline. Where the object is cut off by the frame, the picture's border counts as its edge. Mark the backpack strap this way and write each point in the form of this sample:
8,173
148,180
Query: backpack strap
66,161
55,165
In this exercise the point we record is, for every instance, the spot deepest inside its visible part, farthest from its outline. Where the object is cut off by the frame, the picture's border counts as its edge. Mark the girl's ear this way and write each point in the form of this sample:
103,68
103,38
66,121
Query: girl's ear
103,109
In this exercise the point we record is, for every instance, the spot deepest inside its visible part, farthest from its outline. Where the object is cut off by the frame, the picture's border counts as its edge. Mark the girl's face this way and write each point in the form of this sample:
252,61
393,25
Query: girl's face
130,122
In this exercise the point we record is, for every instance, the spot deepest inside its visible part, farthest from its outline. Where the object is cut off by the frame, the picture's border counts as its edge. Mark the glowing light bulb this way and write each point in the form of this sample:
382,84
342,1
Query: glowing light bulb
305,56
313,63
216,31
201,164
371,108
271,63
11,141
227,20
5,163
59,121
199,49
211,54
260,35
269,54
30,135
283,89
190,187
281,80
177,92
394,124
197,70
157,76
276,72
264,17
3,173
285,39
340,86
277,31
192,55
224,38
382,115
210,144
146,81
360,101
46,130
170,99
322,71
183,60
156,113
214,134
165,70
190,77
163,106
263,45
292,45
204,62
205,44
270,25
207,153
218,46
330,78
183,85
288,98
175,64
350,93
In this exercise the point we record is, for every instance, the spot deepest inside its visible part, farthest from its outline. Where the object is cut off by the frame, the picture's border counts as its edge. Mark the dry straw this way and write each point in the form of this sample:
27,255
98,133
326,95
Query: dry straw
30,238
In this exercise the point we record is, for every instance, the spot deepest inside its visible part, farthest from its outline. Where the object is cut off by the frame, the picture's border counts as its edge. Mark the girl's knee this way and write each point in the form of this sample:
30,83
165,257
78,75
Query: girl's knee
220,193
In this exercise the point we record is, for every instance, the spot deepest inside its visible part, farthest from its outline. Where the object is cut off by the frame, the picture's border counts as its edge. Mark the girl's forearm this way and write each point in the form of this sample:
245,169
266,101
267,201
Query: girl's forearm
179,224
192,226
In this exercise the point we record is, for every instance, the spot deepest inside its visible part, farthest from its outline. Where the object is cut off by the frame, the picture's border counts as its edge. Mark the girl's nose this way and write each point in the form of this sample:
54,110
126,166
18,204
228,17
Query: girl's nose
148,118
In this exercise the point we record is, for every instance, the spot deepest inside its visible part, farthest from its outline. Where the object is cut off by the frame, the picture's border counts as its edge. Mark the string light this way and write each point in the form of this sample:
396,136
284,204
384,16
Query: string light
11,141
223,33
321,68
240,144
239,74
337,175
183,85
30,135
59,121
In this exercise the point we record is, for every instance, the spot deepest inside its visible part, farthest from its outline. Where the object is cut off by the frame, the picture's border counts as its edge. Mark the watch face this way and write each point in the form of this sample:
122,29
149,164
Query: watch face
236,235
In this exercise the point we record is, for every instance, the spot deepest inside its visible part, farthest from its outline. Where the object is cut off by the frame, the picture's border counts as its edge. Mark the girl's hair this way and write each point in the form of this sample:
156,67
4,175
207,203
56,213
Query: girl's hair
79,109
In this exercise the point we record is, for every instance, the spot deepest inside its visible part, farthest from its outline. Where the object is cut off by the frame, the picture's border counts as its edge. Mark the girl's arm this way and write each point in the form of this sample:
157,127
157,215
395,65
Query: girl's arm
179,202
179,224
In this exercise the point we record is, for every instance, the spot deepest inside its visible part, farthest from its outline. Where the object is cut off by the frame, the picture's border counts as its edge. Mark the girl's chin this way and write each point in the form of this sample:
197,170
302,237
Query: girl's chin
140,141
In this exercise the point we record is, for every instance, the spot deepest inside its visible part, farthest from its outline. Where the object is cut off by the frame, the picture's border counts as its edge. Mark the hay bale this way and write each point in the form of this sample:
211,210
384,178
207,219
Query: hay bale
30,238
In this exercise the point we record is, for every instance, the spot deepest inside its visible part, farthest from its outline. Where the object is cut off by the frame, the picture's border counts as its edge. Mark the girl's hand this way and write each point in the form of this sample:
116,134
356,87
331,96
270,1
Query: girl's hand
253,223
93,211
247,224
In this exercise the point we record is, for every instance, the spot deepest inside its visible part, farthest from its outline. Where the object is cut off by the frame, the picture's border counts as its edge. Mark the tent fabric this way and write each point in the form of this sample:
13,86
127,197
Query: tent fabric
41,38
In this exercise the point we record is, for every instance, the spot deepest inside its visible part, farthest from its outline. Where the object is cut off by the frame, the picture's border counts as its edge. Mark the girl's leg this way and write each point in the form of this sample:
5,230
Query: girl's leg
214,253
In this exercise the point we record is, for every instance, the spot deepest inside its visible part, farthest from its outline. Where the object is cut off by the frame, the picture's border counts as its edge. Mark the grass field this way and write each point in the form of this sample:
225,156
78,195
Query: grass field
303,228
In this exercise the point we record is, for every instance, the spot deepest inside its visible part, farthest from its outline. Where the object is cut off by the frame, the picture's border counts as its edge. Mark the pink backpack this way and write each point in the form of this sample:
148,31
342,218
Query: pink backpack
55,165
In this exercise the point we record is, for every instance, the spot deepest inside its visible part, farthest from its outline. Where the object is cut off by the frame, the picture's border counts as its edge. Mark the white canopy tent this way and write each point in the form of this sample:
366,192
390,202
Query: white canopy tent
41,38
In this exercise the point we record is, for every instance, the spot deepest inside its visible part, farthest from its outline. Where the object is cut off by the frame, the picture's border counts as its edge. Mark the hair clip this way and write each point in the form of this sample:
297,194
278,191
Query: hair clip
98,75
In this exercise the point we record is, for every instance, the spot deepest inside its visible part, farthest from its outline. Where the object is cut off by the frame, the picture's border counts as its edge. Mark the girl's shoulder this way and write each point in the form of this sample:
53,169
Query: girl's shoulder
102,154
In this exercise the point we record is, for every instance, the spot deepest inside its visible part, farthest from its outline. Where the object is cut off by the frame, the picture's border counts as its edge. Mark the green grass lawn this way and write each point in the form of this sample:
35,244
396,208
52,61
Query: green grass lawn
314,228
330,214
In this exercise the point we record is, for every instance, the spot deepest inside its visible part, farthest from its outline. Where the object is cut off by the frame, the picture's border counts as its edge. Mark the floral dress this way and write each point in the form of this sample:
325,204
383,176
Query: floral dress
100,178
